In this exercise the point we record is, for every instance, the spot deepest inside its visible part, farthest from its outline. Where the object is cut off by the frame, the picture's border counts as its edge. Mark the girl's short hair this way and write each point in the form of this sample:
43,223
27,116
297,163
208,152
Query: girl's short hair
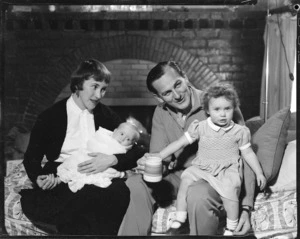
86,70
159,70
218,90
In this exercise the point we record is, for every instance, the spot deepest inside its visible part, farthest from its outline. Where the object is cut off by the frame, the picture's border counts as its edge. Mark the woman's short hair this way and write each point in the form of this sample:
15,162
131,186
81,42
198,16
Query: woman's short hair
86,70
218,90
159,70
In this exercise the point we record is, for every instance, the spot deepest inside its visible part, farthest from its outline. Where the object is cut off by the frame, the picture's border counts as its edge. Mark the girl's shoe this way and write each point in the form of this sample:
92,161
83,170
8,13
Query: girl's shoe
182,229
228,232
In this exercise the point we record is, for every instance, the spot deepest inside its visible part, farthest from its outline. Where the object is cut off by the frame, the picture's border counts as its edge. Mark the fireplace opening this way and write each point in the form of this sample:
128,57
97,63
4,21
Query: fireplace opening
141,113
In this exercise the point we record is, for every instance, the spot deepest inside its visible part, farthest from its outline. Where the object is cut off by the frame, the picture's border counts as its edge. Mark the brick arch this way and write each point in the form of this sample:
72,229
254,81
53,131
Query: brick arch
110,48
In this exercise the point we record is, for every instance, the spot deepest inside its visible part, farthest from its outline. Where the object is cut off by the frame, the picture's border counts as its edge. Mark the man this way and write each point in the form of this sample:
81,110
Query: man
180,104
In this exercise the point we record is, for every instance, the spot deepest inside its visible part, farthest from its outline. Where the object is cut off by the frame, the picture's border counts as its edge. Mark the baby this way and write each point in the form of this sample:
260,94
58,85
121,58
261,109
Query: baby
103,141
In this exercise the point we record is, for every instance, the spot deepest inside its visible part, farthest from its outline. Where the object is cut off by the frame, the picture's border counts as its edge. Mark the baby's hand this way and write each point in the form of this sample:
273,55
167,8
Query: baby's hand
57,180
261,181
113,173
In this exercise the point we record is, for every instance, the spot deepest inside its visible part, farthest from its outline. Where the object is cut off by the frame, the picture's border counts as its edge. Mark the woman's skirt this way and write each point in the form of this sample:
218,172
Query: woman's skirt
90,211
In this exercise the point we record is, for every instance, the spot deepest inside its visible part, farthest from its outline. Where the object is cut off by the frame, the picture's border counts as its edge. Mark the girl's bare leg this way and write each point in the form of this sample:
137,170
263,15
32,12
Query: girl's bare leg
181,204
232,211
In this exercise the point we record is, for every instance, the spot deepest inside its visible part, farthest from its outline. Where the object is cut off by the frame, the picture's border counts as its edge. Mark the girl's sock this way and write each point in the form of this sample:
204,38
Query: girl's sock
230,227
181,217
231,224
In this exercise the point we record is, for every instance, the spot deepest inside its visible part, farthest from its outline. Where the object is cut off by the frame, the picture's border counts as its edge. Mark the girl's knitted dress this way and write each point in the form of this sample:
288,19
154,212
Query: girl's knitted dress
218,158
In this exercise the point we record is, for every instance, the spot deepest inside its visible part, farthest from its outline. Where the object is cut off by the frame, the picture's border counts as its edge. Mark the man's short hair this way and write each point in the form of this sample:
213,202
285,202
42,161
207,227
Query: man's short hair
159,70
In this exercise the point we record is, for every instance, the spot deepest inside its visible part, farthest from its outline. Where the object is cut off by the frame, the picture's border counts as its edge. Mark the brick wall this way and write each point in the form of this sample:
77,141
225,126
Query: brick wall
41,52
127,83
129,77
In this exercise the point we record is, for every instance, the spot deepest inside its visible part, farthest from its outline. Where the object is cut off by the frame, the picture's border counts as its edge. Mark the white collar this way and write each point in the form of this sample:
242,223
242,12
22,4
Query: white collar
75,108
216,127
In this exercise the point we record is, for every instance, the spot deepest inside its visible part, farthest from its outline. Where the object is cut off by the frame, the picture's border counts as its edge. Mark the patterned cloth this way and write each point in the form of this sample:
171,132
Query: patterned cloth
16,223
274,216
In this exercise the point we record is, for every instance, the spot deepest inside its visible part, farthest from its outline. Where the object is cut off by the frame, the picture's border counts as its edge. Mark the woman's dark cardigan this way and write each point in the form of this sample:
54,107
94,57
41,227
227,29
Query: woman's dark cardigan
49,132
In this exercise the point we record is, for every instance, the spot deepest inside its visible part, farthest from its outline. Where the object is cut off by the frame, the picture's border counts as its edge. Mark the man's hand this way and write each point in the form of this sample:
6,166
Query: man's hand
142,161
97,164
140,168
244,224
47,182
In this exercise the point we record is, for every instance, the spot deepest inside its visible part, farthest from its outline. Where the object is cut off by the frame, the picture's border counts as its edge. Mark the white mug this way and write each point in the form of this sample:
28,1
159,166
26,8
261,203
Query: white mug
153,169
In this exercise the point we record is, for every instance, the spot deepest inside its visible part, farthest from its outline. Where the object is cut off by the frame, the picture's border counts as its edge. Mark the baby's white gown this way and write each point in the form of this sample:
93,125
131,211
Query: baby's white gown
100,142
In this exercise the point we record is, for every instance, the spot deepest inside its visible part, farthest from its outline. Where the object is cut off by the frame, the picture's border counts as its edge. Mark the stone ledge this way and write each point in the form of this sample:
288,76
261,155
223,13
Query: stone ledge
129,101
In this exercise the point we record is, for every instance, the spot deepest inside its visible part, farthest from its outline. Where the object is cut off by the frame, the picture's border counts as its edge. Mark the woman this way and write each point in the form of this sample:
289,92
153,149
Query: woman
62,130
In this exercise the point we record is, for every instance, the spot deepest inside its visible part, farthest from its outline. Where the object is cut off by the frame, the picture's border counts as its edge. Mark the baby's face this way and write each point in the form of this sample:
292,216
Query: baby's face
125,135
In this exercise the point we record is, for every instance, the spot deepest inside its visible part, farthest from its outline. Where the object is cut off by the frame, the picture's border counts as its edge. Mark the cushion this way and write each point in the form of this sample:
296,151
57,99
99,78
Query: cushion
254,124
286,179
293,122
269,142
292,132
16,143
275,215
162,219
21,142
16,222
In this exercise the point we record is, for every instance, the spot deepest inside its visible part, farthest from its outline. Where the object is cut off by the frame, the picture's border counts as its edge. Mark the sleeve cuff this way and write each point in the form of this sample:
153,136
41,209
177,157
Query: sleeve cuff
245,146
189,138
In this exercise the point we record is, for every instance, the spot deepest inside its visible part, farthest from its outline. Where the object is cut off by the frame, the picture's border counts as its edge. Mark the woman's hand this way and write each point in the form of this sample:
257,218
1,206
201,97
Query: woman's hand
47,182
41,180
244,224
97,164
